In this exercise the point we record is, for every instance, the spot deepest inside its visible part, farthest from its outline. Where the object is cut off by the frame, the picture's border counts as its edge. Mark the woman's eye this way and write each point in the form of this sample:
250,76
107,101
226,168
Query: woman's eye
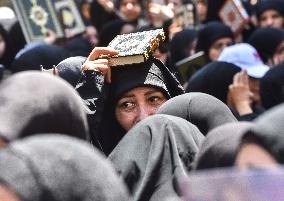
155,99
126,105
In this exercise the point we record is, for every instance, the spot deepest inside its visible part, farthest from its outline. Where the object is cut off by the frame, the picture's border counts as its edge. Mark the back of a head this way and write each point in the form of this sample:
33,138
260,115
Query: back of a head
58,168
268,132
202,110
45,56
157,151
35,102
272,87
219,149
70,69
213,79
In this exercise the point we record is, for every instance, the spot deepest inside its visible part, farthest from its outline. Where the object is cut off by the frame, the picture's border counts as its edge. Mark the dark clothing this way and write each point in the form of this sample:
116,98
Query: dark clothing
155,154
109,31
101,97
59,168
219,149
268,132
213,79
34,102
9,53
79,46
266,41
204,111
70,69
99,16
44,55
272,87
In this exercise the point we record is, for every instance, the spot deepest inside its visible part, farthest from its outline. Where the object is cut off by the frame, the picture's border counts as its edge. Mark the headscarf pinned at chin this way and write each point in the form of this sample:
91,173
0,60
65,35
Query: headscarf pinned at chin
152,73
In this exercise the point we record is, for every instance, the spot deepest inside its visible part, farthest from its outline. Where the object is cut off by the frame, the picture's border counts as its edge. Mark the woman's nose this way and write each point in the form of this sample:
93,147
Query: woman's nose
144,112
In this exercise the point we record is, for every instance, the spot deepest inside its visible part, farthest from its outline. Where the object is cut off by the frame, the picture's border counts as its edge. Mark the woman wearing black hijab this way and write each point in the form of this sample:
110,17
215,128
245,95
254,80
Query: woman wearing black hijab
204,111
34,102
58,168
263,144
219,148
213,38
155,155
270,13
272,87
269,42
132,93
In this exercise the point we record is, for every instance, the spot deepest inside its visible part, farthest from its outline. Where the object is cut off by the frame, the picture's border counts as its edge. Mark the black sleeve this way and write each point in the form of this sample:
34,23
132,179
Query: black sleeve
92,90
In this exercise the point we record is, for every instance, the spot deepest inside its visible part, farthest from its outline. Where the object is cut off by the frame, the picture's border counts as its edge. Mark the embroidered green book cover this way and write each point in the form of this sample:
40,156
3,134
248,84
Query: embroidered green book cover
36,18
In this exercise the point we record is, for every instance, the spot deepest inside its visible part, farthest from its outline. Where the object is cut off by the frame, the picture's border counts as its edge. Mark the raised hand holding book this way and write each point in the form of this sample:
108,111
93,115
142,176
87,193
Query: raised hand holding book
135,47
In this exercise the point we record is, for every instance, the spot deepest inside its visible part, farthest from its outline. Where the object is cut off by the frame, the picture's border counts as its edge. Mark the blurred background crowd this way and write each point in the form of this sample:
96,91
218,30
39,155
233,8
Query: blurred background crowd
232,74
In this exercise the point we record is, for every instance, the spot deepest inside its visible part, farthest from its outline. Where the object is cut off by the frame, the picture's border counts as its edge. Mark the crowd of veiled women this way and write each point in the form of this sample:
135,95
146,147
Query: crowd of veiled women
81,130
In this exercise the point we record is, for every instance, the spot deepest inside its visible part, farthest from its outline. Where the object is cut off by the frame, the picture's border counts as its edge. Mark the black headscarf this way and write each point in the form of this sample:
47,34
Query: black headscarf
124,78
272,87
70,69
213,79
9,52
79,46
17,37
35,102
155,154
219,149
268,132
214,7
99,16
58,168
45,56
181,43
109,31
210,33
202,110
266,41
263,6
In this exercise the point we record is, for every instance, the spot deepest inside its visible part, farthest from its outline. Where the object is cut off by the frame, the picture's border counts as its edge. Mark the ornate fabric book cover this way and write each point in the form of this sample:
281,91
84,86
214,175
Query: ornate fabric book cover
234,15
69,17
135,47
36,17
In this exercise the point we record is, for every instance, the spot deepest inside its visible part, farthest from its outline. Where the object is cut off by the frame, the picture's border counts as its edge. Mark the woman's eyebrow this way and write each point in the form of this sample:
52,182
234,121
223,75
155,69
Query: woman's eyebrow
151,92
130,95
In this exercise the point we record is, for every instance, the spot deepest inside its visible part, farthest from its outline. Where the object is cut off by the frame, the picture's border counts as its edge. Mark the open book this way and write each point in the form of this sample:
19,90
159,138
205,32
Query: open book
135,47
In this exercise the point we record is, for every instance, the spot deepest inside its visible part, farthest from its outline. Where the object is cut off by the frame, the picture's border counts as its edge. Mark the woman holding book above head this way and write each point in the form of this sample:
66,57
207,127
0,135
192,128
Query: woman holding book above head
121,96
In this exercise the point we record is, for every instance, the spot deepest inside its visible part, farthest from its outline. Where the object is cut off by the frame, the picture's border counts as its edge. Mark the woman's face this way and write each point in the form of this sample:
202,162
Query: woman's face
2,46
278,57
130,9
254,156
271,18
137,104
218,46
